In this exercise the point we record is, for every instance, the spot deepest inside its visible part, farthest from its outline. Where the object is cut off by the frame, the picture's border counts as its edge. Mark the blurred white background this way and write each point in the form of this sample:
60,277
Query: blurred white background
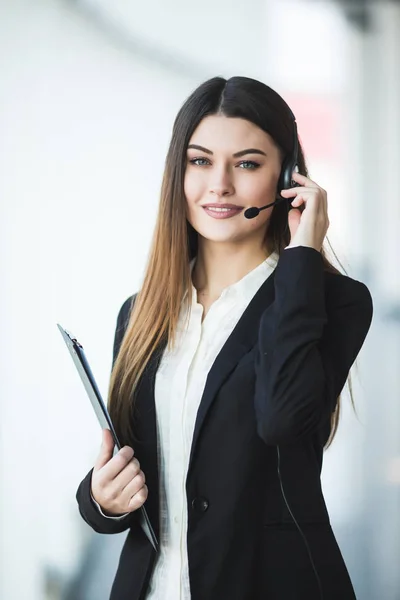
88,93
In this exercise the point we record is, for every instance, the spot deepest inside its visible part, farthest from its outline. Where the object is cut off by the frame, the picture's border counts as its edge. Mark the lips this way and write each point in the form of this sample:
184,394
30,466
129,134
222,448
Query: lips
229,212
233,206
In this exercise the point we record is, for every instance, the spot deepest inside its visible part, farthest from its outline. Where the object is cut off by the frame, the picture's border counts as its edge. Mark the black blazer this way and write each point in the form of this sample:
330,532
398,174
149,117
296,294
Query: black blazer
274,383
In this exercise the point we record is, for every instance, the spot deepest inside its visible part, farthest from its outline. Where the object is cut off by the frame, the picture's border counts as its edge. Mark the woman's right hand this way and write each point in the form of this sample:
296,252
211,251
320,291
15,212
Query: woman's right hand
118,484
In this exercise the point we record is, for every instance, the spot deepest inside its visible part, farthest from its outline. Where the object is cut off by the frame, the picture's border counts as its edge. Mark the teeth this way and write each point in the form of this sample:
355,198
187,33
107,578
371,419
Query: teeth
220,209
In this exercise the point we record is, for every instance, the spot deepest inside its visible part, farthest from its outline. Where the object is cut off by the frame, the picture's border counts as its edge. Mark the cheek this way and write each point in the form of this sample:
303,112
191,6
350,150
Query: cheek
260,187
192,188
191,193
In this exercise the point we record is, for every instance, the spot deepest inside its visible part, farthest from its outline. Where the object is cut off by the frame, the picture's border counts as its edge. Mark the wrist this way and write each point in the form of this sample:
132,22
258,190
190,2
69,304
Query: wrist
304,245
104,512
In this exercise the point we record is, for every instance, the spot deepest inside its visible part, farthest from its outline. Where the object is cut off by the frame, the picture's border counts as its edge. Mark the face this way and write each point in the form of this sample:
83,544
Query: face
230,161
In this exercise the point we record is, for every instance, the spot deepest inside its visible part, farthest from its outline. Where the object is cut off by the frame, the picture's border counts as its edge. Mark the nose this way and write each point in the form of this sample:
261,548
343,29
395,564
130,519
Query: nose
221,184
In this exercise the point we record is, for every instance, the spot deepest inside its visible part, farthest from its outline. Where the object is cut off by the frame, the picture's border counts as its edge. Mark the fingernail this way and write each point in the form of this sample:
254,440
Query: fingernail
127,452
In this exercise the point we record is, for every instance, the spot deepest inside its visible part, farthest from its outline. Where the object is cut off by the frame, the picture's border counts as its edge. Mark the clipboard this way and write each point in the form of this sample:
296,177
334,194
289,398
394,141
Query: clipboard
78,356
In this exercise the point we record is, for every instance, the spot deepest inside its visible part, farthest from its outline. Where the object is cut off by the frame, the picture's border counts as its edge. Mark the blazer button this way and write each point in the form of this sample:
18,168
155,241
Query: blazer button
200,504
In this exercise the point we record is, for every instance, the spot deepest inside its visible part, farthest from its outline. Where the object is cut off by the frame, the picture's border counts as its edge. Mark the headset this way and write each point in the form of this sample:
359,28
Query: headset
285,178
285,182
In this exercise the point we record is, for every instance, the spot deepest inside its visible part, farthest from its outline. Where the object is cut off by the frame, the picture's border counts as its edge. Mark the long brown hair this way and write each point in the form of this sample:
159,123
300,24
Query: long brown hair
154,316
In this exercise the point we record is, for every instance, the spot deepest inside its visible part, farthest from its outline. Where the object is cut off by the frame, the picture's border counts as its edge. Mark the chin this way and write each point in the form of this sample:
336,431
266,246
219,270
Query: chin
220,236
230,230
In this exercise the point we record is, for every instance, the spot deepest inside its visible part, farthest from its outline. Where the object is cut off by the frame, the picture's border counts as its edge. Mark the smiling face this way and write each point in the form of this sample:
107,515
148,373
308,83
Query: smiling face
230,161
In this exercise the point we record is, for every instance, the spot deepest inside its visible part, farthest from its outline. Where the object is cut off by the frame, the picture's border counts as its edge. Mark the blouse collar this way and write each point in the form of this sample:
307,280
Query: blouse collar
245,288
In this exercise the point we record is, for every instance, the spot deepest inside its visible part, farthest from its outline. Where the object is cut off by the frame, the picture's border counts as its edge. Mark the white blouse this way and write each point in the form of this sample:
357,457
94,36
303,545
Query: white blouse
179,385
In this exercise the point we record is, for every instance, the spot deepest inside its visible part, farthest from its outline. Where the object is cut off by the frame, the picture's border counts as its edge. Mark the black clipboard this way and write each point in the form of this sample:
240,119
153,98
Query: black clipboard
78,356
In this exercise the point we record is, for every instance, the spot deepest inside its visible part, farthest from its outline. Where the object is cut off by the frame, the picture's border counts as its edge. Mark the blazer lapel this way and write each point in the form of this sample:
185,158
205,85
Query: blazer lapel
242,339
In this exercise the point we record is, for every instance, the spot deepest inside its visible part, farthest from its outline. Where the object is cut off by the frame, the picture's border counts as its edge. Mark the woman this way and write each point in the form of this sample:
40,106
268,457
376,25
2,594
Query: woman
228,366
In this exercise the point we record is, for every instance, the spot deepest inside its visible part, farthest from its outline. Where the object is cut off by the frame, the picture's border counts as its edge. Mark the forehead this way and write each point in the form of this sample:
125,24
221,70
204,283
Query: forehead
219,132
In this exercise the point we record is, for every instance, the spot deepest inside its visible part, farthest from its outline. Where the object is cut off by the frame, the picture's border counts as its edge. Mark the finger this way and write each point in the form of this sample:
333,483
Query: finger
309,196
303,180
133,486
127,474
106,450
298,201
296,190
117,463
136,499
312,185
303,199
294,217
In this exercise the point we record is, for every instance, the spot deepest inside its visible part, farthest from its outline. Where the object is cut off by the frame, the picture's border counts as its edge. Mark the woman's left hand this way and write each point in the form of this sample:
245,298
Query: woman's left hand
307,228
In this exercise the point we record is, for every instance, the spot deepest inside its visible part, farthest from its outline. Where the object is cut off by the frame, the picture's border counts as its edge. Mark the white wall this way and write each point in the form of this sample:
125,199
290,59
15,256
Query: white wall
82,149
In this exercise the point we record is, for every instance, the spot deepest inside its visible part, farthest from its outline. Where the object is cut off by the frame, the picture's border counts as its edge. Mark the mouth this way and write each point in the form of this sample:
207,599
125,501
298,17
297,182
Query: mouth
223,211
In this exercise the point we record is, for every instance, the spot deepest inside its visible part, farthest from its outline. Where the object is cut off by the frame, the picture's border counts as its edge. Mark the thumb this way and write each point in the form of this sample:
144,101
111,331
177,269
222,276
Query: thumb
294,217
106,450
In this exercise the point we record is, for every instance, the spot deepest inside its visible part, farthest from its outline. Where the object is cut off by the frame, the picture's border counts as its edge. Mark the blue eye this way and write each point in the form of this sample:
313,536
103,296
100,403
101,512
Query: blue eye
194,161
250,164
244,164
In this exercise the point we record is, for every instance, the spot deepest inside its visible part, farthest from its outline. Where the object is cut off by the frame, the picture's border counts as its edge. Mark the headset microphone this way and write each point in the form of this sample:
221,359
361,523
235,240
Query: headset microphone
252,212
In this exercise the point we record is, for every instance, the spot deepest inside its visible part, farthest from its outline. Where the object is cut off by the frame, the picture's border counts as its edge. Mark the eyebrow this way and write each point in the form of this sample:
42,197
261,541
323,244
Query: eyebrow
236,155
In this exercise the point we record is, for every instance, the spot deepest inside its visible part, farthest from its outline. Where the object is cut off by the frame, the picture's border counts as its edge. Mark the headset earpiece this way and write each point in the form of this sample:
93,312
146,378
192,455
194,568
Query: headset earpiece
289,163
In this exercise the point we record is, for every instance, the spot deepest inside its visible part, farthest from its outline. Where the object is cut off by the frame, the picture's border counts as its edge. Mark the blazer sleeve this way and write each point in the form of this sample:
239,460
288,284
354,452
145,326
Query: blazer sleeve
87,507
309,338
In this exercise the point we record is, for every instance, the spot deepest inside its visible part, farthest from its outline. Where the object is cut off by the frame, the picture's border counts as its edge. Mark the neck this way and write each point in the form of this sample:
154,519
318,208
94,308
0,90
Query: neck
218,265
